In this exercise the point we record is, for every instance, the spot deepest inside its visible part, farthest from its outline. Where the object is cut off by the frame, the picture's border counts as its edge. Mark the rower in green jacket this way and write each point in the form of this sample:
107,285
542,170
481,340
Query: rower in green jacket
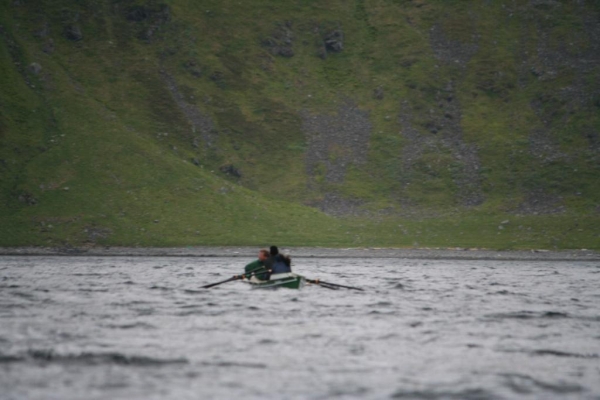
259,265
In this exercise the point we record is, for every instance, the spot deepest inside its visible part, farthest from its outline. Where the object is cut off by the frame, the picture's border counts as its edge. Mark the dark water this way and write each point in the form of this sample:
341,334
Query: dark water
140,328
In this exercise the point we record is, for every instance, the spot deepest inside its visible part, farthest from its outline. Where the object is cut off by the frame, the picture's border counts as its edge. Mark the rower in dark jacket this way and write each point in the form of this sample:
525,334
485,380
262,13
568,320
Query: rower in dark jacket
278,263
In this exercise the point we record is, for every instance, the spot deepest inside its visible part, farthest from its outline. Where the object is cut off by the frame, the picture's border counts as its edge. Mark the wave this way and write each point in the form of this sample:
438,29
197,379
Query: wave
466,394
87,358
194,291
525,384
535,315
23,295
155,287
191,313
235,364
377,312
8,306
381,304
269,342
133,326
93,290
552,352
505,292
528,315
557,353
8,359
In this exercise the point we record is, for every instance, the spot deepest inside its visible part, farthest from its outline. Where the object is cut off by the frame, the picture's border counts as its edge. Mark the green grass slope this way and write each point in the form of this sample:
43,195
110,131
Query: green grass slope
361,123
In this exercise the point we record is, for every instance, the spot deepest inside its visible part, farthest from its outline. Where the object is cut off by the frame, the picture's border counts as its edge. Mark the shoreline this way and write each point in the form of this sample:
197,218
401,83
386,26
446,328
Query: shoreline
309,252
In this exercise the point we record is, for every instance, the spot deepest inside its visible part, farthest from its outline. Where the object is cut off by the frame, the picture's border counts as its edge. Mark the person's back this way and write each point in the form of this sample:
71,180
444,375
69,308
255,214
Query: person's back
278,264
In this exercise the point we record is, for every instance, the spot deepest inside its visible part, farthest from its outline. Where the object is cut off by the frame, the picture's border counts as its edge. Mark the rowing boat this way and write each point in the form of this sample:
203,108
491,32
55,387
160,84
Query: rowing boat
287,280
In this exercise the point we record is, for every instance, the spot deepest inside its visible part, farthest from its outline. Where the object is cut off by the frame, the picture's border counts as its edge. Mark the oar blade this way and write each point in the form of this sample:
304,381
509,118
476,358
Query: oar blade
330,285
343,286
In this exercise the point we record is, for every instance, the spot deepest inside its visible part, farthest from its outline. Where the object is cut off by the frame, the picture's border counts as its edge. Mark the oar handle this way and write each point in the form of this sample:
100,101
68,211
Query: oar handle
318,282
256,272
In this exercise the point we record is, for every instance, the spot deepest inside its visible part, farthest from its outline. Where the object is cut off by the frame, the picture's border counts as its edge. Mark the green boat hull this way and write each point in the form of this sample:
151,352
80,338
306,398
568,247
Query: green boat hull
288,280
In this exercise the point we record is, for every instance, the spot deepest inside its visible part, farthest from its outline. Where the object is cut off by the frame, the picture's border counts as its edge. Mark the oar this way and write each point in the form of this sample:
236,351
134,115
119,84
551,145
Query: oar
233,278
324,285
330,285
236,278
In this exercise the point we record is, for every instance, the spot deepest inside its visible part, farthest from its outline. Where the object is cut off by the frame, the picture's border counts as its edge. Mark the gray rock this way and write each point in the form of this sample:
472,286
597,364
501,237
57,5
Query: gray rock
28,199
73,32
231,170
334,41
34,68
281,41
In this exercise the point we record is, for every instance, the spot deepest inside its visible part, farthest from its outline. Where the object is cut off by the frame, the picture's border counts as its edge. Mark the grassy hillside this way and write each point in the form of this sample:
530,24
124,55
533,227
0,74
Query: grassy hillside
339,123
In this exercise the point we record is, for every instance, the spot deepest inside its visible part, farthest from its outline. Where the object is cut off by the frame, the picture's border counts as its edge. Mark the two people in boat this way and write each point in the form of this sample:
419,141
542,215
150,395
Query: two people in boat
269,260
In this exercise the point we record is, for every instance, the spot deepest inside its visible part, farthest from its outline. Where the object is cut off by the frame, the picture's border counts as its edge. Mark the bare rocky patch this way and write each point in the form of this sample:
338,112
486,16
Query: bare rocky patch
97,233
201,123
451,51
538,202
339,206
550,61
336,141
442,130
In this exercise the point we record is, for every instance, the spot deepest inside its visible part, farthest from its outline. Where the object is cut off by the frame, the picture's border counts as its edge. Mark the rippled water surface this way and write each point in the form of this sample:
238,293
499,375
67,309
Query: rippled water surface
141,328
